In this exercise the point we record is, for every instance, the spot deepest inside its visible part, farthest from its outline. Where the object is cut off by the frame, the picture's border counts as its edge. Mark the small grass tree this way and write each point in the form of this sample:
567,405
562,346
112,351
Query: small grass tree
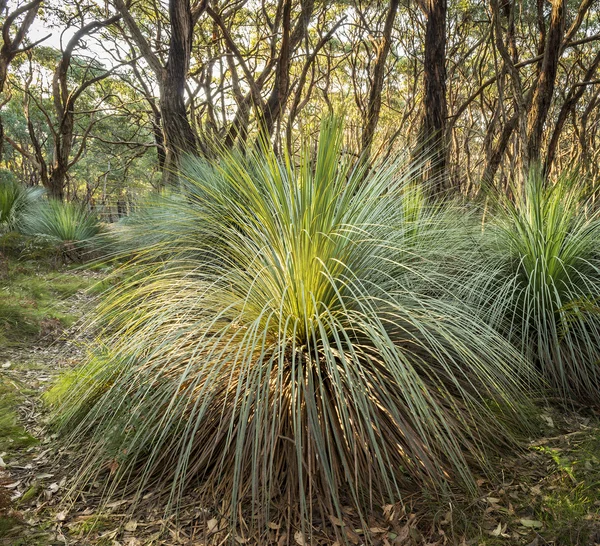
539,279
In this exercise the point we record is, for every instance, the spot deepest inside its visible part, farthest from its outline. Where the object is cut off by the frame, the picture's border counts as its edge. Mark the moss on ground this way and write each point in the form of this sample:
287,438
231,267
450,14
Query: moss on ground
12,435
34,300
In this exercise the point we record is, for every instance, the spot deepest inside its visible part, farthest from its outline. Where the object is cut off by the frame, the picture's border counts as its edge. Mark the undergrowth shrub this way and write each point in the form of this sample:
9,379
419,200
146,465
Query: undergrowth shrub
15,201
276,348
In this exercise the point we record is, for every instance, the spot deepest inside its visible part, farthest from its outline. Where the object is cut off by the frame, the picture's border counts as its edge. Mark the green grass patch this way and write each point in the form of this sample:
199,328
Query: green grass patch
570,503
12,435
90,524
34,299
7,523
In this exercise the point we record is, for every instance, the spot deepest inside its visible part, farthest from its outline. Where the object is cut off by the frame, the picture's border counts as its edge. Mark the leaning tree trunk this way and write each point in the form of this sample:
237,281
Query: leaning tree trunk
544,91
374,103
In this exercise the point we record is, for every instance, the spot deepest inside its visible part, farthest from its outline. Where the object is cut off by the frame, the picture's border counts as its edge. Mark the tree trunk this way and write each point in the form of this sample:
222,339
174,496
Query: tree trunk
63,146
544,91
571,100
433,138
374,103
179,135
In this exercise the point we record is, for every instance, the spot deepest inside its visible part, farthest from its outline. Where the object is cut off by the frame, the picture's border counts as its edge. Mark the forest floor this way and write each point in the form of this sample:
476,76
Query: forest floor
546,494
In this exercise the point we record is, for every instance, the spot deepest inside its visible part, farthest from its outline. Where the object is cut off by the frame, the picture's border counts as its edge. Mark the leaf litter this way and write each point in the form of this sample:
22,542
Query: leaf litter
548,494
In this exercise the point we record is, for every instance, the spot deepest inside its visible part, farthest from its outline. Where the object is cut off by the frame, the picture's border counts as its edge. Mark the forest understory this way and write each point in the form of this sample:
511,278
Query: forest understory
547,494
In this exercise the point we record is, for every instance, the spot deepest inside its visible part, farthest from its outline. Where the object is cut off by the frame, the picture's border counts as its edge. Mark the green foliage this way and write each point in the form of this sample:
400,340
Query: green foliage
16,200
33,300
274,346
540,279
62,223
12,435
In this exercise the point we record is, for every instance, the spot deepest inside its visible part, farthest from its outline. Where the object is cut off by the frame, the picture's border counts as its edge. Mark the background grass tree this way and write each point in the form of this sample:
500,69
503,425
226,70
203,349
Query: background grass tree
539,279
68,225
15,201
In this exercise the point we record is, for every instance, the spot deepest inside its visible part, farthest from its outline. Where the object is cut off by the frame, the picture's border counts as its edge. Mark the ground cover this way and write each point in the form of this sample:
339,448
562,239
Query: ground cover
549,493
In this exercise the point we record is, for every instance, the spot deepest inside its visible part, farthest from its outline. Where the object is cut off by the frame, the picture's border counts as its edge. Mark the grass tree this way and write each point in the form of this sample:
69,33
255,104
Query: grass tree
539,279
68,225
276,348
15,201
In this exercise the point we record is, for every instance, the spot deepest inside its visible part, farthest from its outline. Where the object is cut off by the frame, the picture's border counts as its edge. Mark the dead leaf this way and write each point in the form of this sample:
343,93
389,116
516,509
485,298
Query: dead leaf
116,504
497,531
212,525
531,523
299,538
351,536
548,419
61,516
131,526
336,521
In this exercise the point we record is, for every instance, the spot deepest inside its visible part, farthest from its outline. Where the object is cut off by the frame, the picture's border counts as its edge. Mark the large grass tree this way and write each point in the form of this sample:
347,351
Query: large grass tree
281,347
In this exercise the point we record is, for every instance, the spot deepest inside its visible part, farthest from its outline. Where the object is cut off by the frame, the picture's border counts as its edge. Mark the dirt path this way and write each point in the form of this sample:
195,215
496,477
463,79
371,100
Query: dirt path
29,363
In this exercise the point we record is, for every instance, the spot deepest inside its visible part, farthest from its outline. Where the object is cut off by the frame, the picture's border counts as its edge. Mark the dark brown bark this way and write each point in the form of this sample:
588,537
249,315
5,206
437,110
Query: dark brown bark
374,102
179,136
276,102
281,87
544,90
434,81
499,149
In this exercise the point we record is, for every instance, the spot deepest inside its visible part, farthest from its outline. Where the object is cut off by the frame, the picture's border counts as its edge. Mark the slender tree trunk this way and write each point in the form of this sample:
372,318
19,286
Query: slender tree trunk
11,47
571,101
290,40
544,91
374,104
433,137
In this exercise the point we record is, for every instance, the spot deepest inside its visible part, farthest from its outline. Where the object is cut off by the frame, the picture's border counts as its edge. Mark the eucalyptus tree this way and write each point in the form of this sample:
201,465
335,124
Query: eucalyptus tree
170,73
19,20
